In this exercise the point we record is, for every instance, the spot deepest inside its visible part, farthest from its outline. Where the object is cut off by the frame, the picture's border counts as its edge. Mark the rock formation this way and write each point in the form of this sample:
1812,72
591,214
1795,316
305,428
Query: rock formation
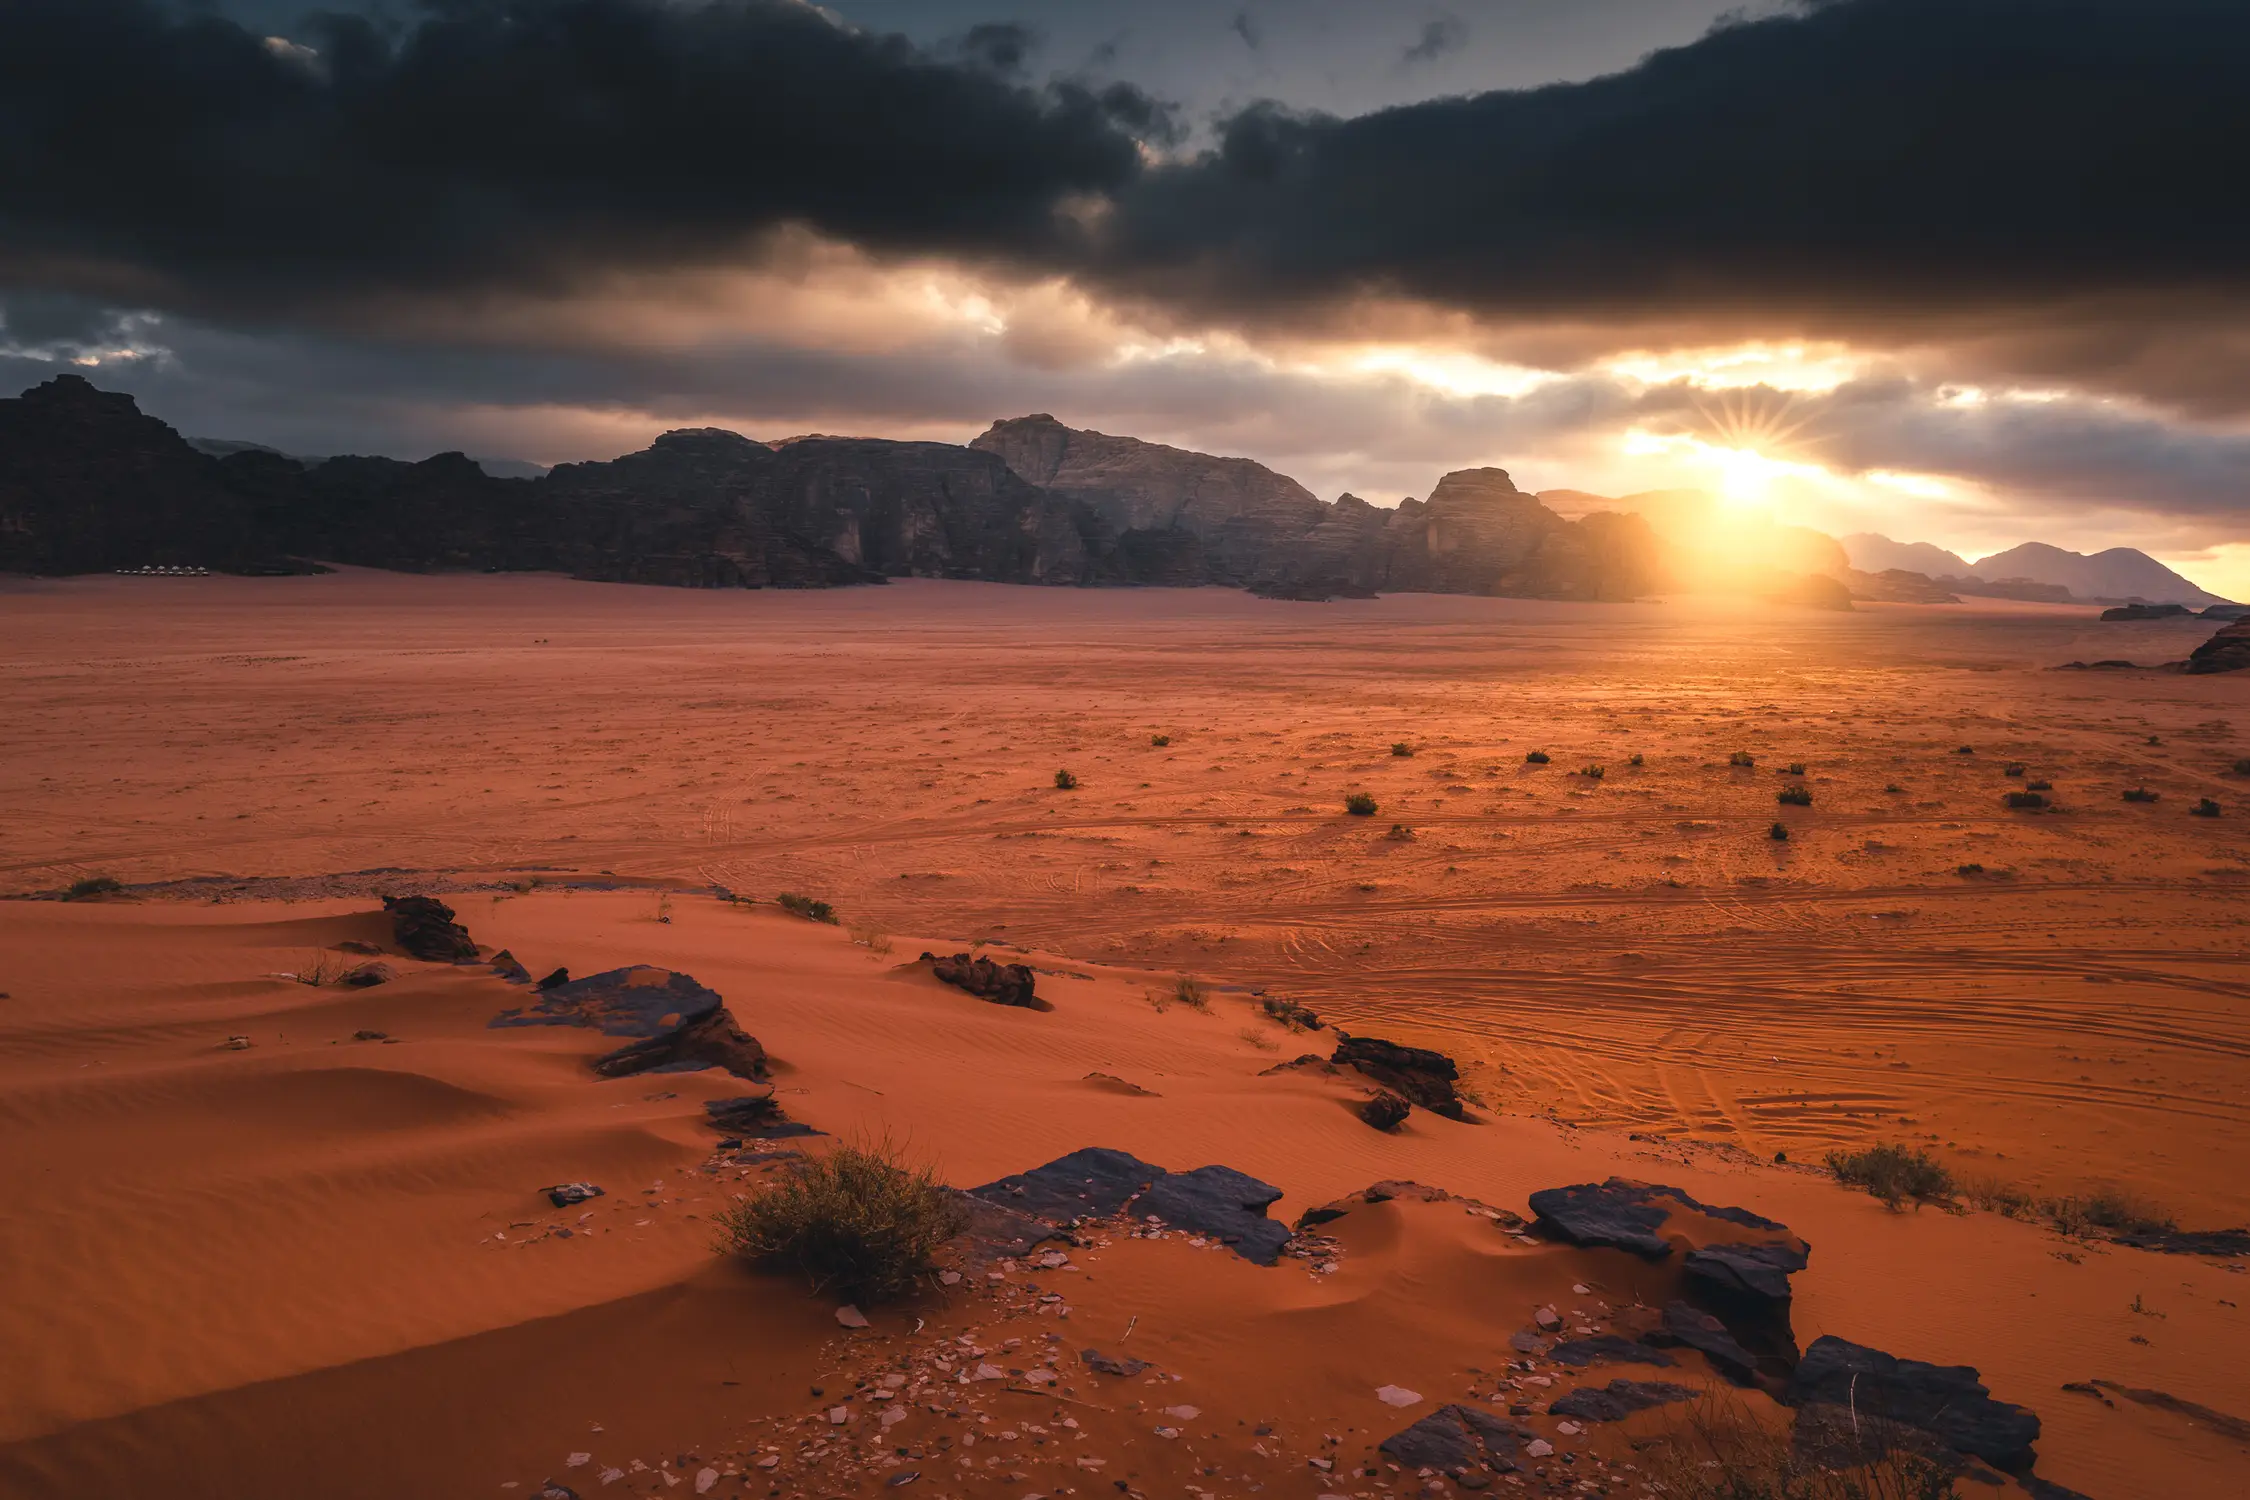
1002,984
2227,651
674,1024
1421,1075
1948,1402
1099,1182
424,927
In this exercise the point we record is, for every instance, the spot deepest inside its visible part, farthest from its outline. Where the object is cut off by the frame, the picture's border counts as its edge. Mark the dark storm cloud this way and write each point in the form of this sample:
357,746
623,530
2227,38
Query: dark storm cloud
1946,151
511,142
1439,37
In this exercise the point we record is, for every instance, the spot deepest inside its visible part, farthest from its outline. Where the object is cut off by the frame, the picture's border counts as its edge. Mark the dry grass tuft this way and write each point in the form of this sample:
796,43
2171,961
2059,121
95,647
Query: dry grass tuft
1717,1451
1894,1174
859,1222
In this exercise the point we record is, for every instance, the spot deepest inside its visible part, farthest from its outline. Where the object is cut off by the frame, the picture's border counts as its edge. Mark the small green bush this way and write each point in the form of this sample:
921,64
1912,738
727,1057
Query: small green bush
1779,833
92,886
2013,768
858,1222
2039,786
1537,758
1065,782
1796,768
1360,805
1160,740
2140,794
2105,1208
2205,808
1971,868
1191,993
1593,773
1795,796
1402,748
1894,1174
2025,799
1636,759
1742,758
807,907
1400,833
1893,787
1965,750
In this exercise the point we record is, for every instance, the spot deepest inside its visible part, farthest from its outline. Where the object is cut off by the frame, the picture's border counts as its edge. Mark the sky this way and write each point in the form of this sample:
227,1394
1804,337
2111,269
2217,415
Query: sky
1961,271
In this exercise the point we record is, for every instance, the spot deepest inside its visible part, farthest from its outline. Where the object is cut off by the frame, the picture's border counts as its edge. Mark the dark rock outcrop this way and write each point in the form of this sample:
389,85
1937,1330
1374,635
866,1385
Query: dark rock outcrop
2228,1242
510,968
1379,1192
1457,1439
1108,1364
1092,1182
1625,1215
368,975
1227,1205
676,1025
1690,1327
1617,1400
1002,984
991,1233
1948,1402
567,1194
1098,1182
1760,1271
424,928
2148,612
1898,586
1421,1075
754,1117
2227,651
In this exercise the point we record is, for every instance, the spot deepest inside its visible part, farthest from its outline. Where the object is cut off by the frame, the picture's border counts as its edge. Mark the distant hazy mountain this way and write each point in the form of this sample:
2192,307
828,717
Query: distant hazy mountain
1871,553
2120,573
498,468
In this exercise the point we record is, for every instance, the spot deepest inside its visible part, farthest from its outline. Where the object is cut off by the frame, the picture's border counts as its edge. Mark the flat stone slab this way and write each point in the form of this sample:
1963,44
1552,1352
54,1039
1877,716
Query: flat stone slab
1948,1402
1100,1182
1091,1182
1690,1327
1607,1349
1223,1203
1748,1270
641,1001
1457,1438
1625,1215
1617,1400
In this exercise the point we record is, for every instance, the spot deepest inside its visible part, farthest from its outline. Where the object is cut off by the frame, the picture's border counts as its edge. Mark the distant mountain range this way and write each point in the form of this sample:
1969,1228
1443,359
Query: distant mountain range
2119,575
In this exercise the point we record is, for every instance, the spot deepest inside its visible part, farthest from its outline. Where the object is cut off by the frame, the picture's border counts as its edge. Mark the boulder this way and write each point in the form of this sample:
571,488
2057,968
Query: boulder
560,976
1380,1192
991,1233
676,1024
1948,1402
566,1194
1421,1075
423,927
1223,1203
755,1117
1617,1400
1002,984
1687,1326
506,965
368,975
1607,1349
1106,1364
1456,1439
1386,1110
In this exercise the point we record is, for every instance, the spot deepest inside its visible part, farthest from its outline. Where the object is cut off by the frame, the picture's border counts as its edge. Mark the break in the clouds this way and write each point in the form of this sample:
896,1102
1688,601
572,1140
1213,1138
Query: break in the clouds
555,226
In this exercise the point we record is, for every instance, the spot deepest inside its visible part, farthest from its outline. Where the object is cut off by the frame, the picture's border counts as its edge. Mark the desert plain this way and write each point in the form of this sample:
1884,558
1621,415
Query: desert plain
320,1265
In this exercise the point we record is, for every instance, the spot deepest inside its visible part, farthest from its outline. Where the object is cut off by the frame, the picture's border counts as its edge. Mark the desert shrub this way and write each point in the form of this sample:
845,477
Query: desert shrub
1997,1195
1065,782
1965,750
1290,1014
873,939
2140,794
1719,1452
1636,759
1258,1039
1795,796
1796,768
1742,758
2242,767
1593,773
1971,868
1779,833
859,1222
1537,758
2039,786
1400,833
92,886
2205,808
1402,748
1360,805
1160,740
1894,1173
807,907
2105,1208
1893,787
2025,799
1191,993
319,969
2013,768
